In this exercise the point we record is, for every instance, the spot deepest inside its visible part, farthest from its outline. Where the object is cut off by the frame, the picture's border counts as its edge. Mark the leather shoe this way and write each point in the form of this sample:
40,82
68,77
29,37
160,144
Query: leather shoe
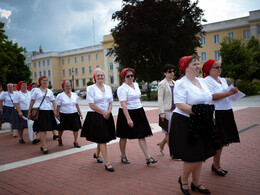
60,142
76,145
55,137
184,191
44,151
99,159
111,169
220,173
203,191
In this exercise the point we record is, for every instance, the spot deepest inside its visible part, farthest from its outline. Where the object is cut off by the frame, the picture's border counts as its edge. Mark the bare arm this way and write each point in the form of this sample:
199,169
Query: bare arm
126,113
1,105
30,108
54,107
58,112
185,108
18,109
77,106
220,96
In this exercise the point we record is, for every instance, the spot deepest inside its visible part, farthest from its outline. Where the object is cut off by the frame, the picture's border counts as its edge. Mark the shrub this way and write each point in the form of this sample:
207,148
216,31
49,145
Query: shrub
249,88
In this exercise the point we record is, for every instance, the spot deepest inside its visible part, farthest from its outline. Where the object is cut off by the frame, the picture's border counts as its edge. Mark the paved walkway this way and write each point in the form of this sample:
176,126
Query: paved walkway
68,170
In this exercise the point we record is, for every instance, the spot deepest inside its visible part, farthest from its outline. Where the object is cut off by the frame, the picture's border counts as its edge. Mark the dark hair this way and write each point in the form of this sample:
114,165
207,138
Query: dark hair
168,67
193,57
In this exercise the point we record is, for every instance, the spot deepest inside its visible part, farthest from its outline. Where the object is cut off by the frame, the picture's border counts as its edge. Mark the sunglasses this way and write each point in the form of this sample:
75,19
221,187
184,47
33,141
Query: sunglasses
170,71
130,75
217,67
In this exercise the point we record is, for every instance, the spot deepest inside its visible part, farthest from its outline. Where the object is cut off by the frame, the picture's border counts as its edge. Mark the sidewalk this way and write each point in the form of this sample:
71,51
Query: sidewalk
68,170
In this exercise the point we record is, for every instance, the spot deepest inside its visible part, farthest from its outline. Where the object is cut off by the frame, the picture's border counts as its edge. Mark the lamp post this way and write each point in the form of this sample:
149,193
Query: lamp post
148,96
72,73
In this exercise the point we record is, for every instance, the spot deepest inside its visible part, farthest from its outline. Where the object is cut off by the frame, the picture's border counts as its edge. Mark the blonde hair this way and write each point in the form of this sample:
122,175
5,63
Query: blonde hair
97,70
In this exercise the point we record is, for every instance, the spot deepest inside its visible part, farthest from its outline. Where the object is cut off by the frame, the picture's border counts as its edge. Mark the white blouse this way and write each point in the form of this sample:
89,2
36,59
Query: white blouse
23,99
37,94
186,92
99,98
6,99
130,95
215,87
67,104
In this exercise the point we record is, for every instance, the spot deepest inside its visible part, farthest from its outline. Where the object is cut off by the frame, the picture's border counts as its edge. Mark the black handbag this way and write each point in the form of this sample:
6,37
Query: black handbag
163,124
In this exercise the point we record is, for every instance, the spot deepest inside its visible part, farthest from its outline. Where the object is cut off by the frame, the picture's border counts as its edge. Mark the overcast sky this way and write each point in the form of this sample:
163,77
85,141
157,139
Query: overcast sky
60,25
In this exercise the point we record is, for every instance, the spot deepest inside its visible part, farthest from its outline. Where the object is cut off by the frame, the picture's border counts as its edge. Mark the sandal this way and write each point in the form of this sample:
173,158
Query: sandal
99,159
124,160
44,150
76,145
151,160
111,169
184,191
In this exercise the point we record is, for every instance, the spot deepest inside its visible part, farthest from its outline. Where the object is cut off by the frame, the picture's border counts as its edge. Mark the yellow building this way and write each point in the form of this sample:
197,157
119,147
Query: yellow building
76,65
239,28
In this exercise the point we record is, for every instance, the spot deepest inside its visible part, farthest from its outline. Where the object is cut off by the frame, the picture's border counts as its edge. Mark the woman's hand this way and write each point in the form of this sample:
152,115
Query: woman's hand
29,115
130,123
80,115
106,115
55,113
162,116
233,90
20,114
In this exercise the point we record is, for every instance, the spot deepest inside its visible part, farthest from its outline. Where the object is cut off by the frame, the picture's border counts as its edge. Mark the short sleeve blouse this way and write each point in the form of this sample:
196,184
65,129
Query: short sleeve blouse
6,99
186,92
99,98
67,104
130,95
215,87
37,94
23,99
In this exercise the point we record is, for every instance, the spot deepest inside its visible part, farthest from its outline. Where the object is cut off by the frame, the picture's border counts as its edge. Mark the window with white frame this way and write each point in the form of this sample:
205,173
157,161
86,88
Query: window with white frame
258,29
76,60
216,55
216,39
84,82
83,70
44,72
231,35
68,60
34,65
76,71
90,69
48,62
97,66
82,59
63,72
111,79
110,66
203,40
97,57
89,58
62,62
69,72
246,34
39,63
35,75
49,73
40,73
203,57
43,62
77,82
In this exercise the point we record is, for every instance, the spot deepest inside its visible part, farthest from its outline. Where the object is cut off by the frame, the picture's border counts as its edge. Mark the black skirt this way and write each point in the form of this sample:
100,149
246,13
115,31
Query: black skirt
45,122
185,147
226,127
69,122
8,114
141,127
97,129
19,122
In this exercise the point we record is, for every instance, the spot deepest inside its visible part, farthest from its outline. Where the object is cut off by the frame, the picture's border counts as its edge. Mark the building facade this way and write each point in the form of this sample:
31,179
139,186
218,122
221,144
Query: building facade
239,28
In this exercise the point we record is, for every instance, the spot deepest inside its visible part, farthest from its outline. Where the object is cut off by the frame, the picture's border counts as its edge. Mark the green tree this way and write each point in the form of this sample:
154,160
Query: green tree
12,65
254,46
151,33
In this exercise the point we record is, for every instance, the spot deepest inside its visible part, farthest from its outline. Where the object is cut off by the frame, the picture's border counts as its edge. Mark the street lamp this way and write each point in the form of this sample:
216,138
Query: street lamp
148,96
72,73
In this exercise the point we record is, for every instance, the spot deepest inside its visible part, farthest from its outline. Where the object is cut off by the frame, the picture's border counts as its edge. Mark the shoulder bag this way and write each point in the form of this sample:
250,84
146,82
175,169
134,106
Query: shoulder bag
35,111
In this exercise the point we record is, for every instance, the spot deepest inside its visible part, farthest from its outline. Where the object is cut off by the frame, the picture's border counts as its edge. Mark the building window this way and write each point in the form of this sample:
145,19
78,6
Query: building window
231,35
63,72
216,54
89,58
34,65
49,73
83,70
43,62
216,39
44,72
97,57
246,34
35,75
82,59
84,82
90,69
76,71
77,82
97,66
258,29
62,62
111,79
39,63
203,40
48,62
69,72
110,66
40,73
68,60
76,60
203,57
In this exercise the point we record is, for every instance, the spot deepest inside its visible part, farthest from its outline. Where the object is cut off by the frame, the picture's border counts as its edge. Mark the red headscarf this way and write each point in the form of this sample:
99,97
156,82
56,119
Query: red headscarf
39,81
94,77
15,86
62,85
19,85
184,62
207,67
29,87
123,72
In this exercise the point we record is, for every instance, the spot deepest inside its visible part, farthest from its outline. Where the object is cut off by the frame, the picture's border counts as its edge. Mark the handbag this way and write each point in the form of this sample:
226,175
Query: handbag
163,124
35,111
